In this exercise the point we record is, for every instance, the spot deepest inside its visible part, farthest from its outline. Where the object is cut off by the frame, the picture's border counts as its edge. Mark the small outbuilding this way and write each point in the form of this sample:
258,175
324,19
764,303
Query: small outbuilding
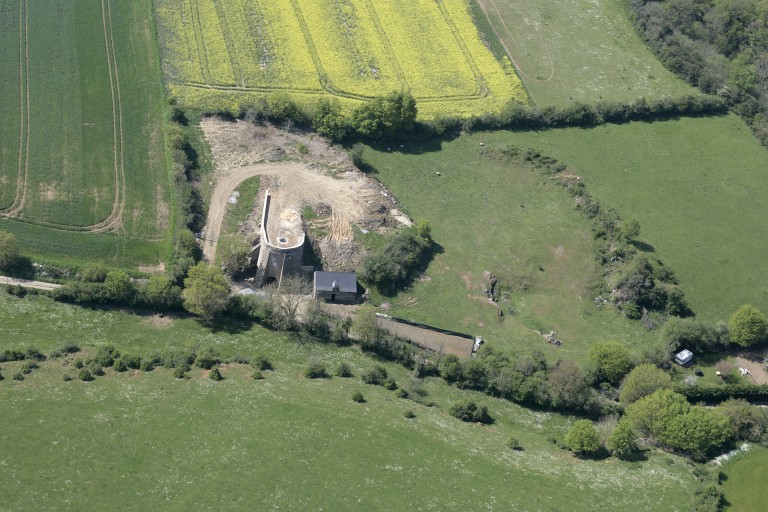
336,286
683,357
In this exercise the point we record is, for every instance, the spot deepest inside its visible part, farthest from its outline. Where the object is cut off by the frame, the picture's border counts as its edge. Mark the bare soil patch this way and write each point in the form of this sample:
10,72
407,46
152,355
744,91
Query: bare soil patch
756,370
300,169
158,321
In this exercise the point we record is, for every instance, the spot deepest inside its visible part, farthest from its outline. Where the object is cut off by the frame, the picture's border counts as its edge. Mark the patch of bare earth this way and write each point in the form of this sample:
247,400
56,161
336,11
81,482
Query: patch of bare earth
756,370
158,321
301,170
153,269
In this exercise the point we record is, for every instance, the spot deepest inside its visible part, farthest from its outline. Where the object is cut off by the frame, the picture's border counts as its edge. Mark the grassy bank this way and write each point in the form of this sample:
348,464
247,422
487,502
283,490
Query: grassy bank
145,440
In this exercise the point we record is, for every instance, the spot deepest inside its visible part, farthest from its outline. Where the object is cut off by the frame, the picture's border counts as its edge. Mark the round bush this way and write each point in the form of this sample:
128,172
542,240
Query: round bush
390,384
257,375
28,366
215,374
18,376
376,375
409,414
401,393
358,397
67,377
262,363
96,369
344,370
119,365
316,370
180,372
470,411
85,375
513,443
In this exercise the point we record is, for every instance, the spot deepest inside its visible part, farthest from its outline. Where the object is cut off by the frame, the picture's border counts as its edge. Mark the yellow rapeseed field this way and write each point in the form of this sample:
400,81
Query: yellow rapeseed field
221,54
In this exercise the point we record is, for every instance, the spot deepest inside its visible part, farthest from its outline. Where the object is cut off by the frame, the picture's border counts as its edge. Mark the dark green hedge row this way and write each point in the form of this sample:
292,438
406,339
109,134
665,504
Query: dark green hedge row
712,394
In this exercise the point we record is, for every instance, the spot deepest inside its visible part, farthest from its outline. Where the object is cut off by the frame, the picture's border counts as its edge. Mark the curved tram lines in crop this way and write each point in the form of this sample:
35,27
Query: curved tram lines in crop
21,180
113,222
326,84
202,52
234,61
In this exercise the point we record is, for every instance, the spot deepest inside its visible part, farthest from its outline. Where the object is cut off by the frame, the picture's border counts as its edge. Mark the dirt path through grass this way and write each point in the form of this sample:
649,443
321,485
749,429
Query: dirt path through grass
24,283
758,373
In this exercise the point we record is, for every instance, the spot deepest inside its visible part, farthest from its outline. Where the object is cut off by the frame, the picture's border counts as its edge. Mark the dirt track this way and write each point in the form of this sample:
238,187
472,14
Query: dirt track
37,285
297,185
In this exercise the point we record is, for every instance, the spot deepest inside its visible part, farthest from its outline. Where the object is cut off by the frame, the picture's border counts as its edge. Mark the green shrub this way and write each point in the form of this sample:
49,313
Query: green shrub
119,365
85,375
583,438
344,370
180,372
470,411
390,384
401,393
105,356
12,355
95,368
67,377
315,370
207,359
18,376
131,361
358,397
1,377
28,366
514,443
396,261
215,374
69,348
34,354
257,375
376,376
94,274
622,441
409,414
79,364
147,364
262,363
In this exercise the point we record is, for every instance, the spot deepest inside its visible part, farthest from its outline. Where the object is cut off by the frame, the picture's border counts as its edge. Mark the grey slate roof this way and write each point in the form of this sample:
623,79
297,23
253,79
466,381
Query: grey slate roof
344,281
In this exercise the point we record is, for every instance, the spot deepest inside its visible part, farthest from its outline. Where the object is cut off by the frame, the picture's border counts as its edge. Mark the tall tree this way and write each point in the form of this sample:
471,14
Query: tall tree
206,292
566,386
642,381
583,438
611,361
622,441
650,416
9,250
748,326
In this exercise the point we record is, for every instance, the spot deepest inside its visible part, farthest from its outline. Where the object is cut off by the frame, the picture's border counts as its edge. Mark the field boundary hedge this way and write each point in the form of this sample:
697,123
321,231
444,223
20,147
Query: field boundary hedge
713,395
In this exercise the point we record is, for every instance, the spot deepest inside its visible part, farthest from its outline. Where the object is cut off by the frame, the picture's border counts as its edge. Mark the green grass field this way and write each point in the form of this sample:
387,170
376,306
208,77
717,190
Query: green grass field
575,50
490,214
82,145
744,489
695,185
148,441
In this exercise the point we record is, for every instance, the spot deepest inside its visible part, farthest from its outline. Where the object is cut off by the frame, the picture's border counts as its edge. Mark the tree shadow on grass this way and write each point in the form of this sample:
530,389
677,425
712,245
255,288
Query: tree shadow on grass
643,246
229,325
